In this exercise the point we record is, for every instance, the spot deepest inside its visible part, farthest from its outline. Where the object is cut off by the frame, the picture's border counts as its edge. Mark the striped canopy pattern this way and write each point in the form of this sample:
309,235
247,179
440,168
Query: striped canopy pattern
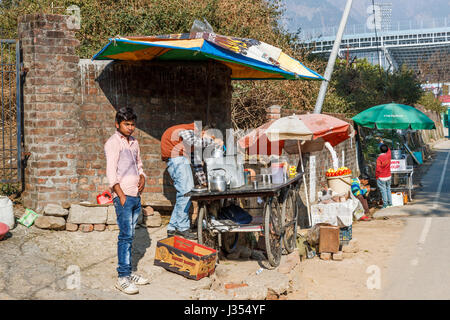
248,59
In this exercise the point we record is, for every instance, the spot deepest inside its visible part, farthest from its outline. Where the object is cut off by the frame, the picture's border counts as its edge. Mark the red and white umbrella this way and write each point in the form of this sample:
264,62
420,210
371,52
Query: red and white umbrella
314,129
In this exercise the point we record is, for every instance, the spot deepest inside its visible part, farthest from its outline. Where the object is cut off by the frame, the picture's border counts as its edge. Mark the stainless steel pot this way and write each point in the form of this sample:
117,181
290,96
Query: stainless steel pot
218,181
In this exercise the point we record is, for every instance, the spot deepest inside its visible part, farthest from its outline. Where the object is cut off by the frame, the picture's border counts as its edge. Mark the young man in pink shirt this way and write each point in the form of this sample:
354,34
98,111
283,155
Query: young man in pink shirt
127,180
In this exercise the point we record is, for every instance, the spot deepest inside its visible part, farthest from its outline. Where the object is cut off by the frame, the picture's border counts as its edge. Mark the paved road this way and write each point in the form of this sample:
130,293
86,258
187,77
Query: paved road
420,267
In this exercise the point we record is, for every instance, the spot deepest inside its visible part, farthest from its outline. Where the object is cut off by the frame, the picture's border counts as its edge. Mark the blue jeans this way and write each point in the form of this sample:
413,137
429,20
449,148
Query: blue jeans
180,171
127,217
385,190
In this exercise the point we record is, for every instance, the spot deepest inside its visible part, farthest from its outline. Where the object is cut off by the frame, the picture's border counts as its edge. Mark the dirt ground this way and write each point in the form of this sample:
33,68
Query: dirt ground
347,279
40,264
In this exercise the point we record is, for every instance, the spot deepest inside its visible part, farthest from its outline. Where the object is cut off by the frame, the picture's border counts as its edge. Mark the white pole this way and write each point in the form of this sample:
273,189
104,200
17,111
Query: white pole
332,58
304,182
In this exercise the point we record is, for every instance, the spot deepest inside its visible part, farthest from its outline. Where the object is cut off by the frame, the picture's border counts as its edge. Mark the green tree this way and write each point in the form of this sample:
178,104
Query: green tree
362,85
429,102
402,86
257,19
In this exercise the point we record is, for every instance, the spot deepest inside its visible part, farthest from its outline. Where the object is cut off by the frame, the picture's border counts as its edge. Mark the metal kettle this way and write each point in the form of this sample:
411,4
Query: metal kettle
218,181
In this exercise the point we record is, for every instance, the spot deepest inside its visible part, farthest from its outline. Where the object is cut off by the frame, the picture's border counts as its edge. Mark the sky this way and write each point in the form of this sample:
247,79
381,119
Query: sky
307,14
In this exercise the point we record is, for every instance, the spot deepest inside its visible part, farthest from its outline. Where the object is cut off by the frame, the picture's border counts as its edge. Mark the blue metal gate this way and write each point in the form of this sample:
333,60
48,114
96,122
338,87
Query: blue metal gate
11,113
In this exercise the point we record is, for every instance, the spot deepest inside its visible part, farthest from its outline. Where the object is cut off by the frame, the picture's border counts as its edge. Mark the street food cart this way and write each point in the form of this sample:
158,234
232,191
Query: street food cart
278,220
408,174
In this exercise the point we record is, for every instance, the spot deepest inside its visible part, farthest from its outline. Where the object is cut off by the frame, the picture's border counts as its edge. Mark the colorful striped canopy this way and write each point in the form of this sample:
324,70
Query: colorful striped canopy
248,59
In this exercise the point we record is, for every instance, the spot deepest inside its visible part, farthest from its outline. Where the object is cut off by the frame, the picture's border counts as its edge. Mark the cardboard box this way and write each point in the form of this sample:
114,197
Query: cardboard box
329,239
190,259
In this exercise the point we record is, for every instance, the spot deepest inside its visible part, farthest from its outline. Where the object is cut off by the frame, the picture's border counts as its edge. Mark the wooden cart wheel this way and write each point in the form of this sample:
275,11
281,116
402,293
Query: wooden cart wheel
206,237
273,231
289,214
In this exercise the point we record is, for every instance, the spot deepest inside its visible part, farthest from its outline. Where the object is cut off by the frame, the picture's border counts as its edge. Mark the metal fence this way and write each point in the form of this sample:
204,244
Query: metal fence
11,112
395,27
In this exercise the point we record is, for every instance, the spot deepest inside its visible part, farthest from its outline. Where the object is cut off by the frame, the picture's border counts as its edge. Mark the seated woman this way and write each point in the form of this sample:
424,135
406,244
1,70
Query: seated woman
360,191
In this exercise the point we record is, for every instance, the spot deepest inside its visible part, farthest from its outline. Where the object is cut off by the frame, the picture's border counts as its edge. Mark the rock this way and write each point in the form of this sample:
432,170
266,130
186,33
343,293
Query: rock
112,227
50,222
221,271
352,247
55,210
250,293
100,227
202,284
66,205
325,256
210,295
271,296
85,227
87,215
270,280
347,255
111,217
148,211
338,256
152,220
71,227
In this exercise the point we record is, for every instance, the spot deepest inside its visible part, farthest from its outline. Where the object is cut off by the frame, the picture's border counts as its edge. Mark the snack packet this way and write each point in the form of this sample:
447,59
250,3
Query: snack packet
28,218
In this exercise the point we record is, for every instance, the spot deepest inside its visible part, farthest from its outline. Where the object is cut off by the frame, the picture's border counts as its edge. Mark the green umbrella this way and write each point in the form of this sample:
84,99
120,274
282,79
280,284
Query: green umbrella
393,116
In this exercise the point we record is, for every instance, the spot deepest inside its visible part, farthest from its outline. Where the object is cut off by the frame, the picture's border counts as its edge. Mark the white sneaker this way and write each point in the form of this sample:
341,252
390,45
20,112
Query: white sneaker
137,279
125,284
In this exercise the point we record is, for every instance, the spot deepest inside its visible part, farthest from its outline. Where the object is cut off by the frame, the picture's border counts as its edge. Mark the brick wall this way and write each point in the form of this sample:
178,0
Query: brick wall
50,109
70,104
162,94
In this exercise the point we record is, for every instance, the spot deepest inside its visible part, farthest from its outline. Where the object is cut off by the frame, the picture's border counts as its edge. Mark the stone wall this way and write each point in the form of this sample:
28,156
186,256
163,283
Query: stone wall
70,105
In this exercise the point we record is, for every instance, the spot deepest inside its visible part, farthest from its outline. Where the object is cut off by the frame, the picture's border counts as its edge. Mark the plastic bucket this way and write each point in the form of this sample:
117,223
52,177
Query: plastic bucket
6,212
340,184
277,173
